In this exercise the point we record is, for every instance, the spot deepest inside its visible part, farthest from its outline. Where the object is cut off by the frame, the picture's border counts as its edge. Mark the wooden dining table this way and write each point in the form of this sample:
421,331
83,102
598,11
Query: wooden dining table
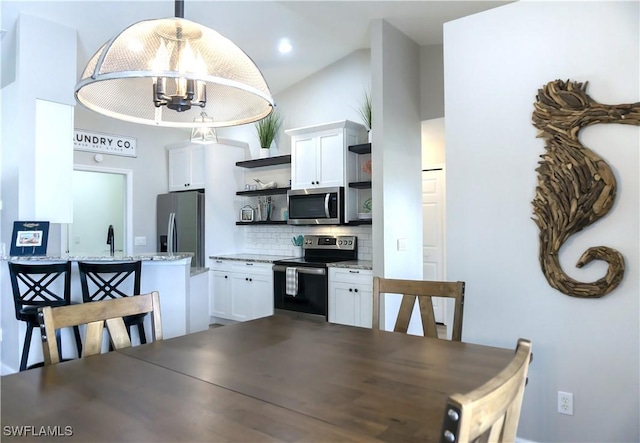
272,379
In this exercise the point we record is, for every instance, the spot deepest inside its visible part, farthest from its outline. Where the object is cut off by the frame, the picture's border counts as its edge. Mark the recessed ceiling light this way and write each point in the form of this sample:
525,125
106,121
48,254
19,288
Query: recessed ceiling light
284,46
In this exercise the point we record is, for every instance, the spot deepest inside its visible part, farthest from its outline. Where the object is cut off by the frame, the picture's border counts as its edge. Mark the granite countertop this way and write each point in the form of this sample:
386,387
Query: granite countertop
151,256
256,258
197,271
352,264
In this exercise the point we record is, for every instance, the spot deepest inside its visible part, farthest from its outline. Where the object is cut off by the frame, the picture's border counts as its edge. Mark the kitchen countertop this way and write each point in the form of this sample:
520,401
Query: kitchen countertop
156,256
352,264
260,258
151,256
256,258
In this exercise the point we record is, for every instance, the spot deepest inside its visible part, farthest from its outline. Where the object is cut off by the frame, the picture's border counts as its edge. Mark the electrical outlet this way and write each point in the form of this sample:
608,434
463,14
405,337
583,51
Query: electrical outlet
140,241
402,244
565,403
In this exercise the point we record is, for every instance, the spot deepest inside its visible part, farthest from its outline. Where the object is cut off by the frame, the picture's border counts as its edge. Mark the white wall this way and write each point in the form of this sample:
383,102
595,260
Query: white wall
431,82
149,168
330,94
433,143
494,64
396,152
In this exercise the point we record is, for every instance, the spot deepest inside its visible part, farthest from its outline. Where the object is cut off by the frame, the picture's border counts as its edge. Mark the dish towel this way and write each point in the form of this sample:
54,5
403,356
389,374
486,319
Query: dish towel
292,282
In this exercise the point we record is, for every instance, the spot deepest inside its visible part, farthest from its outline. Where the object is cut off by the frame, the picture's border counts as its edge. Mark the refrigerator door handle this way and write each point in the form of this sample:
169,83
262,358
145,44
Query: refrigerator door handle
170,232
174,241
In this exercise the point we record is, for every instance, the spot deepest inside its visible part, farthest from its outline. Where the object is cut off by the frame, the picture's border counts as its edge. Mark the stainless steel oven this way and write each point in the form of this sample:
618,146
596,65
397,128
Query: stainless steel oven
317,206
309,275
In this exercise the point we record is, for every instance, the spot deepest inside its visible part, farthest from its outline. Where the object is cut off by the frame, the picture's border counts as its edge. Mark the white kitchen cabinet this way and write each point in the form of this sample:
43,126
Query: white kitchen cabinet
220,289
241,290
351,296
186,168
198,303
318,153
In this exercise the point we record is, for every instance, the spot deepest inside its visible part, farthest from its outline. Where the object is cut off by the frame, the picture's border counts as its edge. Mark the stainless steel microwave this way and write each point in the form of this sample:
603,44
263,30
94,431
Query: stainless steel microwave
316,206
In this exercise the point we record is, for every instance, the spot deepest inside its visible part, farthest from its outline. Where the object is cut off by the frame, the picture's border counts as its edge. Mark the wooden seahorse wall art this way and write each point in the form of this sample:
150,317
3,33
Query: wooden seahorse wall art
575,187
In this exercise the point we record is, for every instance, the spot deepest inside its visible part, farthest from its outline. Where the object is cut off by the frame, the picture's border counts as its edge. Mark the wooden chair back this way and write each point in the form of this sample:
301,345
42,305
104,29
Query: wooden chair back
94,315
422,290
491,412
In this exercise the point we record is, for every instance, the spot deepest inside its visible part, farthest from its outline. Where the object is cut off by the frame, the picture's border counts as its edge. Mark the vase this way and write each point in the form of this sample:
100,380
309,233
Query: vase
264,152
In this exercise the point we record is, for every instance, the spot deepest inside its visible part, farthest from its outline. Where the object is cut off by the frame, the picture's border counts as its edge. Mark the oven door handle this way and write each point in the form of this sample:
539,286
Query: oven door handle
311,271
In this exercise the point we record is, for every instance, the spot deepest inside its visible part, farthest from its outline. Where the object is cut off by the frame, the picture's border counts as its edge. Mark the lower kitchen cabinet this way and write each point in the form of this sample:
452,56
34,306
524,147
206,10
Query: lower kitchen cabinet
351,296
240,290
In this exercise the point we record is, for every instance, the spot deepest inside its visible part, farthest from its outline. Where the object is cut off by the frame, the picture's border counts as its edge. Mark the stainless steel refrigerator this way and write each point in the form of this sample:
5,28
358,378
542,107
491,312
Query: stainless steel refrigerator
180,224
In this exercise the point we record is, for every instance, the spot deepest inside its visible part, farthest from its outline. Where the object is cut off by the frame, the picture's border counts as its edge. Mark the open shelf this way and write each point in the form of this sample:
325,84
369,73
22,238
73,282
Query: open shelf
271,222
272,191
364,148
359,222
361,185
267,161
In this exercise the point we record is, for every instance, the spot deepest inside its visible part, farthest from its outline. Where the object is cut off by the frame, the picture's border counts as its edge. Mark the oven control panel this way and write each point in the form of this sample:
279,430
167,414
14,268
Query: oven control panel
348,242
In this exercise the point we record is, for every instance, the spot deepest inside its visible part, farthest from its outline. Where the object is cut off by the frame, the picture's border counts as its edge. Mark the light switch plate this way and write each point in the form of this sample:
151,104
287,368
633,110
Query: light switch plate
402,244
140,241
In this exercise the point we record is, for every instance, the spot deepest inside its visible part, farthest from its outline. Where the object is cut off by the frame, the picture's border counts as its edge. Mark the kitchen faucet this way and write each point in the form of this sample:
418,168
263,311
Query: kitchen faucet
110,240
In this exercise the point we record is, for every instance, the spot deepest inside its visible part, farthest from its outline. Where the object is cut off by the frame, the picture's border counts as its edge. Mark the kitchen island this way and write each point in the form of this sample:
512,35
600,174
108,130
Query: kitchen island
184,300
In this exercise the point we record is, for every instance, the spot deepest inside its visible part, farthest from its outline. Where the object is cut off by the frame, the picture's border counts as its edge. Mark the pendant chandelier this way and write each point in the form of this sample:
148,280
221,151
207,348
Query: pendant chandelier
167,72
202,132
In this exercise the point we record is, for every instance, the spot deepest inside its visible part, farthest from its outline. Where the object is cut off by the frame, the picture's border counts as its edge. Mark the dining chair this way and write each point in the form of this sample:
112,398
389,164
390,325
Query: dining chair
95,315
105,281
491,412
35,286
423,290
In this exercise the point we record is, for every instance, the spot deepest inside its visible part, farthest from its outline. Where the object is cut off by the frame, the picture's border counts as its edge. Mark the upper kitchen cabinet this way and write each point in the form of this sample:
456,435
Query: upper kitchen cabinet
319,153
186,168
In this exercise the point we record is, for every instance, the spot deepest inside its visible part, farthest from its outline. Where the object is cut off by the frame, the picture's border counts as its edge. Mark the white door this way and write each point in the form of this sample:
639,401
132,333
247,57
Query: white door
433,233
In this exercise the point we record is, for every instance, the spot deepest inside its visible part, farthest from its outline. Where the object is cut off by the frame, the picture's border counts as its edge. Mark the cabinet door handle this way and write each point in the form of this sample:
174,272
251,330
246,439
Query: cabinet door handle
350,290
355,290
355,272
249,264
226,276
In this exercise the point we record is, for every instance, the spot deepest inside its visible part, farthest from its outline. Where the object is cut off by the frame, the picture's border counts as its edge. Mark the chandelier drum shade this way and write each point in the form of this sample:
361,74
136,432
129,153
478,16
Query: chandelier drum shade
166,72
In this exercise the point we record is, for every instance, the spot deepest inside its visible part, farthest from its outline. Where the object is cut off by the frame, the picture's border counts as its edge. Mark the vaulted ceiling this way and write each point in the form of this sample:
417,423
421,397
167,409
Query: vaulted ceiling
321,32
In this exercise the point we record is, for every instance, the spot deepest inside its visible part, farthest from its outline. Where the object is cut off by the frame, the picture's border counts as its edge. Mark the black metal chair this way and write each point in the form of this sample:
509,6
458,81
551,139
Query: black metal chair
40,285
104,281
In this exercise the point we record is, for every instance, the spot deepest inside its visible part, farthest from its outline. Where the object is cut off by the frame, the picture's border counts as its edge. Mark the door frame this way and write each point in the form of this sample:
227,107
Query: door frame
128,204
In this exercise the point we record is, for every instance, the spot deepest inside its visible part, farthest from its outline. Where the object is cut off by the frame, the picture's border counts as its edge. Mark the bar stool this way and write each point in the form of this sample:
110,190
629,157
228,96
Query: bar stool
37,286
104,281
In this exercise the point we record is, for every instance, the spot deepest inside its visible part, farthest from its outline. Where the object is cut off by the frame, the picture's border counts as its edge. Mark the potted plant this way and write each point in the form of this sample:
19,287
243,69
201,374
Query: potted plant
268,129
365,110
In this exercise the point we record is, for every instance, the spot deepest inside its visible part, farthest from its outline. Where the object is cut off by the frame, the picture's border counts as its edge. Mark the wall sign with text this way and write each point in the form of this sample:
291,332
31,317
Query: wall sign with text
105,143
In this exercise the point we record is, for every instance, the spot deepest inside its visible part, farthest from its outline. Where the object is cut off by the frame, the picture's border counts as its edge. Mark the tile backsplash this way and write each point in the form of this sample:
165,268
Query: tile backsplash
276,239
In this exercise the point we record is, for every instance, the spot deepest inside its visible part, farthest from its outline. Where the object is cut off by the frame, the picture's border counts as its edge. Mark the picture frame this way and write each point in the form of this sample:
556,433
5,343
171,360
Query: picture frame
29,238
246,214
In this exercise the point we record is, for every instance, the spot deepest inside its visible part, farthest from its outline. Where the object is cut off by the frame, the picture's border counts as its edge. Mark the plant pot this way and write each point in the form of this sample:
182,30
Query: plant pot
265,152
